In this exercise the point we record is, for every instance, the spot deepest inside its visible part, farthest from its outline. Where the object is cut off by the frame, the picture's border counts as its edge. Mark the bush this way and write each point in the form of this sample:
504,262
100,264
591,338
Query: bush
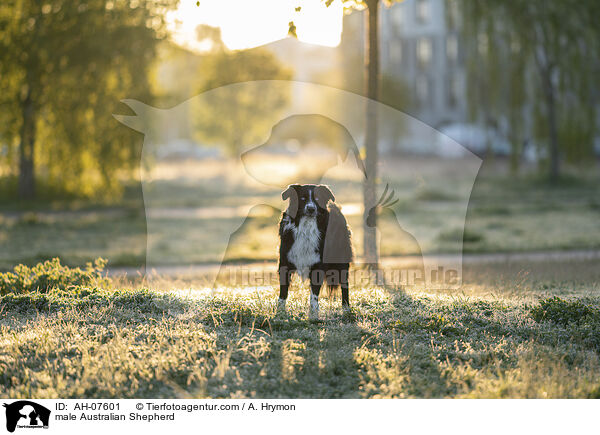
51,274
564,312
457,235
141,301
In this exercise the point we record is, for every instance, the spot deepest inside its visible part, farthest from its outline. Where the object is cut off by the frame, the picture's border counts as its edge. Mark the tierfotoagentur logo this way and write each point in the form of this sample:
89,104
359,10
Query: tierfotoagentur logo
24,414
205,205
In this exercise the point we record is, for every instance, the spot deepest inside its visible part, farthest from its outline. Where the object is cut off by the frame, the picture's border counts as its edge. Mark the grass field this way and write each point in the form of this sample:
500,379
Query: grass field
514,330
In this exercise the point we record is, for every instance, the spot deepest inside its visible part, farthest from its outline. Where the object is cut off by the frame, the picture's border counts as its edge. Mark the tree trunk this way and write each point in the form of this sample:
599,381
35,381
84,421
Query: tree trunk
554,170
26,187
371,253
546,70
515,155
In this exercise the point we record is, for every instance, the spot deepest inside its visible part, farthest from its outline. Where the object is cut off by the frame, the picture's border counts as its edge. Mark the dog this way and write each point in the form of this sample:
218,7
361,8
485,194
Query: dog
315,243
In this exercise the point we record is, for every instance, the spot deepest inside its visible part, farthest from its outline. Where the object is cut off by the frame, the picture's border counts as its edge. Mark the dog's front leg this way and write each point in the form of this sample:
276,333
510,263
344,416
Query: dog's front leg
317,277
285,276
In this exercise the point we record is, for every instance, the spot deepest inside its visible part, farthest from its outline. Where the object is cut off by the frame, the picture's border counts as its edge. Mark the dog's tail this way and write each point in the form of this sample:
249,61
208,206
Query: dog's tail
337,248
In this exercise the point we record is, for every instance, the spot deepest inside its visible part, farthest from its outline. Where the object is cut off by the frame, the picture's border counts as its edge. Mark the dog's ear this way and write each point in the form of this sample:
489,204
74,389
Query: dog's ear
323,194
288,191
291,194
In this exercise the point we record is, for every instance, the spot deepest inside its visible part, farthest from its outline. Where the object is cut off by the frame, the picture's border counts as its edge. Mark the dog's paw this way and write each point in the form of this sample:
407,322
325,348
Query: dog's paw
313,311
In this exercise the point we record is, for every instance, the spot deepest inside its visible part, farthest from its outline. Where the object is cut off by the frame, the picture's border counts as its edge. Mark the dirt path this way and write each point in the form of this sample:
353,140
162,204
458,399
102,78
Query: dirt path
496,257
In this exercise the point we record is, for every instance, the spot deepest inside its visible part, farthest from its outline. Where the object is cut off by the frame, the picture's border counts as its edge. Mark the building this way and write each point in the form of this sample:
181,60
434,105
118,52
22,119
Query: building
420,44
419,48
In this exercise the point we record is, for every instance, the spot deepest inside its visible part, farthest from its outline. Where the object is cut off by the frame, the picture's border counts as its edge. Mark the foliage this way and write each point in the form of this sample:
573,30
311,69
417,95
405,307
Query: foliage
64,67
564,312
532,65
174,79
80,297
237,118
49,275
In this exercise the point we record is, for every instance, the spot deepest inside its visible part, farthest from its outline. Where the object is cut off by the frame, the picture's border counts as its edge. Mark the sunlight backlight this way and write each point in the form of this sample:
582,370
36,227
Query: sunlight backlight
247,24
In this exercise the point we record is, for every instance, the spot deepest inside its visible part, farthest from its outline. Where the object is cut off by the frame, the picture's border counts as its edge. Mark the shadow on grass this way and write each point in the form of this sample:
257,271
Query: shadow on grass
138,343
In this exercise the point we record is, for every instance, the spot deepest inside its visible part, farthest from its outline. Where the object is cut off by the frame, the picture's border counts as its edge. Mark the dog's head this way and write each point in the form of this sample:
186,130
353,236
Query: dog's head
301,148
307,199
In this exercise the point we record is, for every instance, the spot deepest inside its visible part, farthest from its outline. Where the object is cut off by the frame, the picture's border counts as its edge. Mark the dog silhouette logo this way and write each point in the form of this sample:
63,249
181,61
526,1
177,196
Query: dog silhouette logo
26,414
212,169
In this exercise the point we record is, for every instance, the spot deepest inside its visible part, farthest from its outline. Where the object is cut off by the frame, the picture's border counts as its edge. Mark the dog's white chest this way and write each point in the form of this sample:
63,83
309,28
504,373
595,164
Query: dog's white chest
305,250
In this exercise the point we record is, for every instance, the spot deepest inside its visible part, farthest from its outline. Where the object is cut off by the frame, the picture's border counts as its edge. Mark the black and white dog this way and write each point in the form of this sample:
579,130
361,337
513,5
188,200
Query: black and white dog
315,243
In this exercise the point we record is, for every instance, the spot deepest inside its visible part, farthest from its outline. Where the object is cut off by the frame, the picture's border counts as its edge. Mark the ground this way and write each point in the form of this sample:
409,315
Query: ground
505,214
531,333
519,326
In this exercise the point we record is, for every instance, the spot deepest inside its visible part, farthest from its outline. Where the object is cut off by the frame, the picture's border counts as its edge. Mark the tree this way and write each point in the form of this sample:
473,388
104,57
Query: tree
497,76
372,85
64,65
232,107
394,91
556,43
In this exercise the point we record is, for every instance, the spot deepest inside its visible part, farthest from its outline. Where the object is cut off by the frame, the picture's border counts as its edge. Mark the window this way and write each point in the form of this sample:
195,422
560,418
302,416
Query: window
397,15
395,52
423,11
452,48
452,14
422,86
424,52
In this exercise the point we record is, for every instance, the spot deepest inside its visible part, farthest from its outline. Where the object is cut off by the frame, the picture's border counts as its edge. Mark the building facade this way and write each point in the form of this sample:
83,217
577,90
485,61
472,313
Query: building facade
420,45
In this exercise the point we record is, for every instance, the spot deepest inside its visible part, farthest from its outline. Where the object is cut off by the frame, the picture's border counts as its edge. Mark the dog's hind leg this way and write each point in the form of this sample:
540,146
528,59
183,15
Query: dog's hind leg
345,297
337,277
344,286
347,313
317,277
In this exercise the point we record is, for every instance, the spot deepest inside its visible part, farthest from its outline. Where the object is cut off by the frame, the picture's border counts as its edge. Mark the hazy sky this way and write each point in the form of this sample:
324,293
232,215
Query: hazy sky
247,24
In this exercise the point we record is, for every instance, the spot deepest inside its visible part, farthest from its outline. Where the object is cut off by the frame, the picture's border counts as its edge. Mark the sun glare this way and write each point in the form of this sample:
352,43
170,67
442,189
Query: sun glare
247,24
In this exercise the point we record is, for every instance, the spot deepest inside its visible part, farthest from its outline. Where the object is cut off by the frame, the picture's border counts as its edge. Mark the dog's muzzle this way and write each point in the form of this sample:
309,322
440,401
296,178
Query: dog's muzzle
310,210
